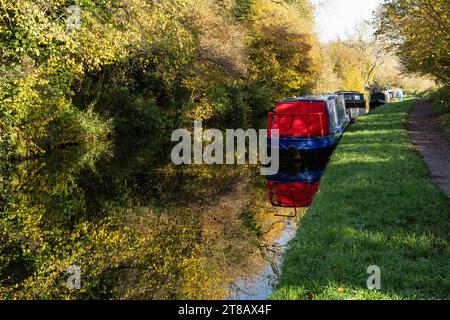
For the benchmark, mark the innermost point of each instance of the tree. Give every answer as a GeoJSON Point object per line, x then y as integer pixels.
{"type": "Point", "coordinates": [418, 31]}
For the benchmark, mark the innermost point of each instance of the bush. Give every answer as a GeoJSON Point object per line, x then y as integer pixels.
{"type": "Point", "coordinates": [441, 104]}
{"type": "Point", "coordinates": [76, 127]}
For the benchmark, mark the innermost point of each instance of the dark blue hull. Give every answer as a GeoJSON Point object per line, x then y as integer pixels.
{"type": "Point", "coordinates": [308, 144]}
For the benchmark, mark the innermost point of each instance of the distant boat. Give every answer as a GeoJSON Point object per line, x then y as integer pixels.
{"type": "Point", "coordinates": [379, 98]}
{"type": "Point", "coordinates": [355, 103]}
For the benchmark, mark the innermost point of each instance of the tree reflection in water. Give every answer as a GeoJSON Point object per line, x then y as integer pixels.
{"type": "Point", "coordinates": [290, 192]}
{"type": "Point", "coordinates": [138, 227]}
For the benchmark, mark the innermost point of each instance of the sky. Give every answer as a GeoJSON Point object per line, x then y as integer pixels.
{"type": "Point", "coordinates": [337, 18]}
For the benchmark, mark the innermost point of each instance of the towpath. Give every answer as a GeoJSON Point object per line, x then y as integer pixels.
{"type": "Point", "coordinates": [431, 141]}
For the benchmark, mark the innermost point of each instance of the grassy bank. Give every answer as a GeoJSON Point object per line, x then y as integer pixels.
{"type": "Point", "coordinates": [376, 206]}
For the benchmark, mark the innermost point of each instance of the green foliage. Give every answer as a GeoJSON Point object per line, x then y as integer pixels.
{"type": "Point", "coordinates": [279, 61]}
{"type": "Point", "coordinates": [40, 63]}
{"type": "Point", "coordinates": [77, 127]}
{"type": "Point", "coordinates": [283, 50]}
{"type": "Point", "coordinates": [347, 66]}
{"type": "Point", "coordinates": [441, 98]}
{"type": "Point", "coordinates": [243, 8]}
{"type": "Point", "coordinates": [28, 104]}
{"type": "Point", "coordinates": [441, 104]}
{"type": "Point", "coordinates": [419, 32]}
{"type": "Point", "coordinates": [149, 66]}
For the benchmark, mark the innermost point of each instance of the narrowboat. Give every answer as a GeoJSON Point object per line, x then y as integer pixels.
{"type": "Point", "coordinates": [309, 123]}
{"type": "Point", "coordinates": [378, 98]}
{"type": "Point", "coordinates": [400, 94]}
{"type": "Point", "coordinates": [395, 94]}
{"type": "Point", "coordinates": [355, 103]}
{"type": "Point", "coordinates": [392, 94]}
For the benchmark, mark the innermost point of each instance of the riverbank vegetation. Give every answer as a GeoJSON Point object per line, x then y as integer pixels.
{"type": "Point", "coordinates": [376, 206]}
{"type": "Point", "coordinates": [441, 105]}
{"type": "Point", "coordinates": [139, 68]}
{"type": "Point", "coordinates": [418, 33]}
{"type": "Point", "coordinates": [142, 68]}
{"type": "Point", "coordinates": [138, 229]}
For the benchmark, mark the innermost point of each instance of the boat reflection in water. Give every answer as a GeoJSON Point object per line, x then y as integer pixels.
{"type": "Point", "coordinates": [296, 183]}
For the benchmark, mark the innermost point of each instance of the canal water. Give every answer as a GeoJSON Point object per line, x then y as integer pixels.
{"type": "Point", "coordinates": [259, 286]}
{"type": "Point", "coordinates": [138, 227]}
{"type": "Point", "coordinates": [293, 189]}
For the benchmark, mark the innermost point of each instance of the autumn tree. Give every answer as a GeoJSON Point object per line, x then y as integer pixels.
{"type": "Point", "coordinates": [418, 31]}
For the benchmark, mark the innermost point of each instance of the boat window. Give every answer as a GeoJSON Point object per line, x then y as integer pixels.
{"type": "Point", "coordinates": [348, 96]}
{"type": "Point", "coordinates": [340, 108]}
{"type": "Point", "coordinates": [353, 97]}
{"type": "Point", "coordinates": [331, 104]}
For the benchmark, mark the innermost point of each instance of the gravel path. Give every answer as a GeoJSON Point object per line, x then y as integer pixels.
{"type": "Point", "coordinates": [431, 141]}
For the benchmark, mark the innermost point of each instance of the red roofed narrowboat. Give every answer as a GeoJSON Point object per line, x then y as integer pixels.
{"type": "Point", "coordinates": [310, 122]}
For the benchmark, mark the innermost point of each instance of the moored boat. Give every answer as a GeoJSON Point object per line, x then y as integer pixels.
{"type": "Point", "coordinates": [309, 122]}
{"type": "Point", "coordinates": [355, 103]}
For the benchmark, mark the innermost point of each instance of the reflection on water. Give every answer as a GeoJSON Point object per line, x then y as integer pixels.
{"type": "Point", "coordinates": [296, 183]}
{"type": "Point", "coordinates": [260, 285]}
{"type": "Point", "coordinates": [293, 187]}
{"type": "Point", "coordinates": [138, 227]}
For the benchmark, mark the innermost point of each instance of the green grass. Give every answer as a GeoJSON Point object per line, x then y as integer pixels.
{"type": "Point", "coordinates": [376, 206]}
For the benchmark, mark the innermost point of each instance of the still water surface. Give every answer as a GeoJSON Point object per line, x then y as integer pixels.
{"type": "Point", "coordinates": [138, 227]}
